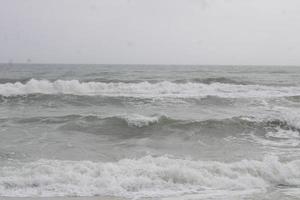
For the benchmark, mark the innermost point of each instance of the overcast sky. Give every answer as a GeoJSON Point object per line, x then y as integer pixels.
{"type": "Point", "coordinates": [226, 32]}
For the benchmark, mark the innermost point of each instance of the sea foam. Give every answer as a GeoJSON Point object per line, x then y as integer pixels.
{"type": "Point", "coordinates": [145, 177]}
{"type": "Point", "coordinates": [146, 89]}
{"type": "Point", "coordinates": [141, 120]}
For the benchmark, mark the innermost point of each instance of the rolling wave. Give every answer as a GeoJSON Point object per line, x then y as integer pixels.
{"type": "Point", "coordinates": [145, 177]}
{"type": "Point", "coordinates": [160, 121]}
{"type": "Point", "coordinates": [129, 120]}
{"type": "Point", "coordinates": [146, 89]}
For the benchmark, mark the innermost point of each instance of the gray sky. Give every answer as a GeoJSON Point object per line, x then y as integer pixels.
{"type": "Point", "coordinates": [151, 31]}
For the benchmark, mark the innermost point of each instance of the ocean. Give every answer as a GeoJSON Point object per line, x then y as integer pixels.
{"type": "Point", "coordinates": [149, 132]}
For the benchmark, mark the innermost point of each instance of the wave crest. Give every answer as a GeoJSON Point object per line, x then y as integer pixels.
{"type": "Point", "coordinates": [142, 120]}
{"type": "Point", "coordinates": [145, 89]}
{"type": "Point", "coordinates": [286, 122]}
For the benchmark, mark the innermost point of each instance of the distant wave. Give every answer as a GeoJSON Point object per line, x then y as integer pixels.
{"type": "Point", "coordinates": [145, 177]}
{"type": "Point", "coordinates": [214, 80]}
{"type": "Point", "coordinates": [146, 89]}
{"type": "Point", "coordinates": [11, 80]}
{"type": "Point", "coordinates": [191, 80]}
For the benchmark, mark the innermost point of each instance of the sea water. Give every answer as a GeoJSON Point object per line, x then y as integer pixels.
{"type": "Point", "coordinates": [158, 132]}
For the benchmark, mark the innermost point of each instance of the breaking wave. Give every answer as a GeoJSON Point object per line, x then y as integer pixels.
{"type": "Point", "coordinates": [146, 89]}
{"type": "Point", "coordinates": [145, 177]}
{"type": "Point", "coordinates": [142, 121]}
{"type": "Point", "coordinates": [131, 120]}
{"type": "Point", "coordinates": [85, 122]}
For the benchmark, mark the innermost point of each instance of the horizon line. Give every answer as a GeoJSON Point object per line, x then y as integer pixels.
{"type": "Point", "coordinates": [137, 64]}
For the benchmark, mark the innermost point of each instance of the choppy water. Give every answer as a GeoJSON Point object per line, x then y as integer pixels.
{"type": "Point", "coordinates": [187, 132]}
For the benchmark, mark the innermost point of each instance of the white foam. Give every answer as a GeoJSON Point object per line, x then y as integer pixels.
{"type": "Point", "coordinates": [283, 142]}
{"type": "Point", "coordinates": [146, 89]}
{"type": "Point", "coordinates": [283, 134]}
{"type": "Point", "coordinates": [145, 177]}
{"type": "Point", "coordinates": [286, 137]}
{"type": "Point", "coordinates": [290, 115]}
{"type": "Point", "coordinates": [140, 120]}
{"type": "Point", "coordinates": [133, 119]}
